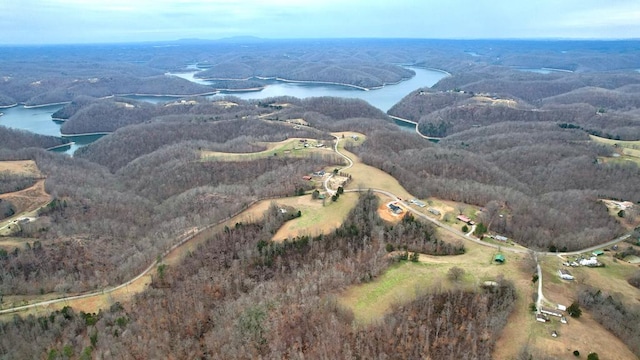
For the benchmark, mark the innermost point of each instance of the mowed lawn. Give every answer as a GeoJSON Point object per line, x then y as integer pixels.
{"type": "Point", "coordinates": [402, 282]}
{"type": "Point", "coordinates": [316, 218]}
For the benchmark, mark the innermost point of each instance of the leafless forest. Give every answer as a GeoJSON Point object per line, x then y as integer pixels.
{"type": "Point", "coordinates": [515, 143]}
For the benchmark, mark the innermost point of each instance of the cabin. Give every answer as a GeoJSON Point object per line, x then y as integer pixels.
{"type": "Point", "coordinates": [465, 219]}
{"type": "Point", "coordinates": [499, 258]}
{"type": "Point", "coordinates": [565, 275]}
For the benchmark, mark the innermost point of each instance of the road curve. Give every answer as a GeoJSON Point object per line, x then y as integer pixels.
{"type": "Point", "coordinates": [378, 191]}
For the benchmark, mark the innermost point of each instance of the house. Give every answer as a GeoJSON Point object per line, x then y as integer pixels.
{"type": "Point", "coordinates": [551, 312]}
{"type": "Point", "coordinates": [318, 173]}
{"type": "Point", "coordinates": [499, 258]}
{"type": "Point", "coordinates": [561, 307]}
{"type": "Point", "coordinates": [589, 262]}
{"type": "Point", "coordinates": [306, 177]}
{"type": "Point", "coordinates": [395, 209]}
{"type": "Point", "coordinates": [418, 203]}
{"type": "Point", "coordinates": [434, 211]}
{"type": "Point", "coordinates": [501, 238]}
{"type": "Point", "coordinates": [597, 253]}
{"type": "Point", "coordinates": [465, 219]}
{"type": "Point", "coordinates": [565, 275]}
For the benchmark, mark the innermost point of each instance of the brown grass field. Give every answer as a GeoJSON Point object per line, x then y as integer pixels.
{"type": "Point", "coordinates": [22, 167]}
{"type": "Point", "coordinates": [290, 147]}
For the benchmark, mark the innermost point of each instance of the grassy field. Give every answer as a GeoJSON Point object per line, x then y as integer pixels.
{"type": "Point", "coordinates": [290, 148]}
{"type": "Point", "coordinates": [404, 281]}
{"type": "Point", "coordinates": [628, 150]}
{"type": "Point", "coordinates": [316, 218]}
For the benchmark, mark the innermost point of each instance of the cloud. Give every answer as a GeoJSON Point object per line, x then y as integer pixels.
{"type": "Point", "coordinates": [51, 21]}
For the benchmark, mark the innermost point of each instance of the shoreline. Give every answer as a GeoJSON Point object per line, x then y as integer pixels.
{"type": "Point", "coordinates": [46, 105]}
{"type": "Point", "coordinates": [430, 138]}
{"type": "Point", "coordinates": [276, 78]}
{"type": "Point", "coordinates": [111, 96]}
{"type": "Point", "coordinates": [86, 134]}
{"type": "Point", "coordinates": [60, 146]}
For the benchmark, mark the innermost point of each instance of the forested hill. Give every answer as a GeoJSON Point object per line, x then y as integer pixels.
{"type": "Point", "coordinates": [604, 104]}
{"type": "Point", "coordinates": [53, 74]}
{"type": "Point", "coordinates": [15, 139]}
{"type": "Point", "coordinates": [546, 178]}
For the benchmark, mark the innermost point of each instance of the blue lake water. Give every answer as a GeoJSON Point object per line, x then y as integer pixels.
{"type": "Point", "coordinates": [38, 120]}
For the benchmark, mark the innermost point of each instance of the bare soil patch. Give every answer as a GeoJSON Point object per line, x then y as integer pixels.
{"type": "Point", "coordinates": [389, 216]}
{"type": "Point", "coordinates": [29, 199]}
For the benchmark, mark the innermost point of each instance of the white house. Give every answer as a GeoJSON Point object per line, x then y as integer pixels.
{"type": "Point", "coordinates": [565, 275]}
{"type": "Point", "coordinates": [589, 262]}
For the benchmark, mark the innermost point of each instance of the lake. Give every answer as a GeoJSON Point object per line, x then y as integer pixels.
{"type": "Point", "coordinates": [38, 120]}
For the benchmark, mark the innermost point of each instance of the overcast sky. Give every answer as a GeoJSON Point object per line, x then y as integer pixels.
{"type": "Point", "coordinates": [95, 21]}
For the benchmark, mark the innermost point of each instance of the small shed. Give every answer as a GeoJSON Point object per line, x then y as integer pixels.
{"type": "Point", "coordinates": [499, 258]}
{"type": "Point", "coordinates": [598, 253]}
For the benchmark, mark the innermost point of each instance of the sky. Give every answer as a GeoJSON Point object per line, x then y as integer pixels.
{"type": "Point", "coordinates": [100, 21]}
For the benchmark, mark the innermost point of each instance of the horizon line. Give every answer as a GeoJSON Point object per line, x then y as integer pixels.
{"type": "Point", "coordinates": [251, 38]}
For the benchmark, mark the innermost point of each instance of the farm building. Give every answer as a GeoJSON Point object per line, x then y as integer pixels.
{"type": "Point", "coordinates": [434, 211]}
{"type": "Point", "coordinates": [597, 253]}
{"type": "Point", "coordinates": [561, 307]}
{"type": "Point", "coordinates": [499, 258]}
{"type": "Point", "coordinates": [465, 219]}
{"type": "Point", "coordinates": [417, 202]}
{"type": "Point", "coordinates": [565, 275]}
{"type": "Point", "coordinates": [551, 312]}
{"type": "Point", "coordinates": [541, 317]}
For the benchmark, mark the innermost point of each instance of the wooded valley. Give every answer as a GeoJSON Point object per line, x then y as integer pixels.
{"type": "Point", "coordinates": [515, 144]}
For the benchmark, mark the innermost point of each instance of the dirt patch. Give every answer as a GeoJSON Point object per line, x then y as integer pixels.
{"type": "Point", "coordinates": [29, 199]}
{"type": "Point", "coordinates": [492, 101]}
{"type": "Point", "coordinates": [388, 215]}
{"type": "Point", "coordinates": [23, 167]}
{"type": "Point", "coordinates": [225, 104]}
